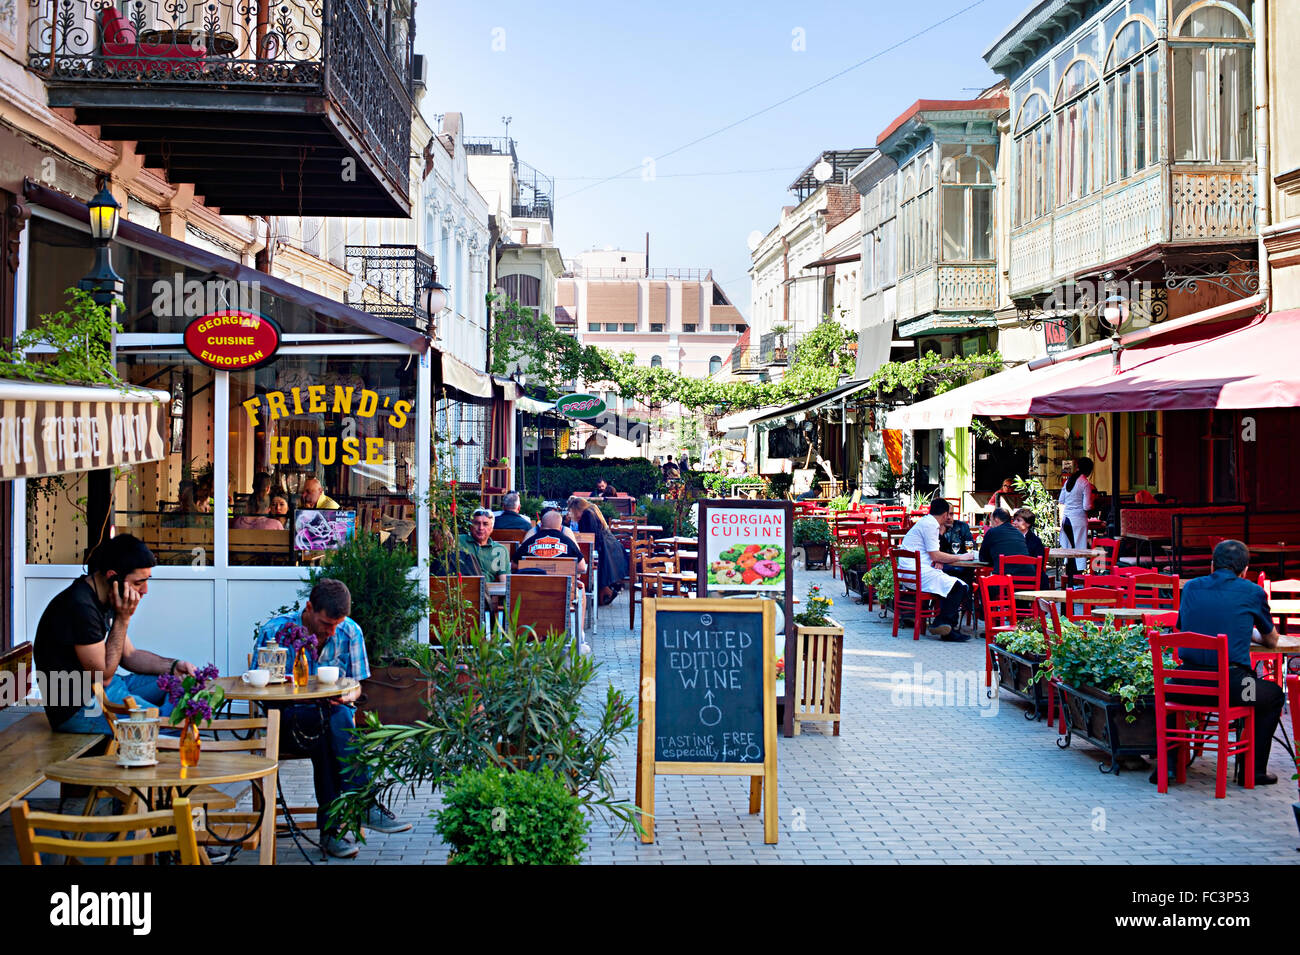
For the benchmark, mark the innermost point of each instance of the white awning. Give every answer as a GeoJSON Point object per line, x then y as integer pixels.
{"type": "Point", "coordinates": [456, 374]}
{"type": "Point", "coordinates": [741, 419]}
{"type": "Point", "coordinates": [533, 406]}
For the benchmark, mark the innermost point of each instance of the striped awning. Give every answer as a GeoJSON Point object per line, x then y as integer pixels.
{"type": "Point", "coordinates": [58, 429]}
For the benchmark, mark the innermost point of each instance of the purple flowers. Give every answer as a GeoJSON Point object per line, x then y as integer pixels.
{"type": "Point", "coordinates": [190, 695]}
{"type": "Point", "coordinates": [295, 636]}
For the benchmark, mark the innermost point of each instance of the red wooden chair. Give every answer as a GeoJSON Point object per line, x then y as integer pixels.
{"type": "Point", "coordinates": [1288, 589]}
{"type": "Point", "coordinates": [1168, 618]}
{"type": "Point", "coordinates": [844, 534]}
{"type": "Point", "coordinates": [999, 600]}
{"type": "Point", "coordinates": [1293, 694]}
{"type": "Point", "coordinates": [1107, 562]}
{"type": "Point", "coordinates": [876, 546]}
{"type": "Point", "coordinates": [1089, 599]}
{"type": "Point", "coordinates": [1117, 582]}
{"type": "Point", "coordinates": [1051, 620]}
{"type": "Point", "coordinates": [1027, 571]}
{"type": "Point", "coordinates": [1203, 694]}
{"type": "Point", "coordinates": [908, 595]}
{"type": "Point", "coordinates": [1149, 591]}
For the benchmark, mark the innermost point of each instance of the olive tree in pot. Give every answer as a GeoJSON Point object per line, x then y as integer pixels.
{"type": "Point", "coordinates": [388, 606]}
{"type": "Point", "coordinates": [814, 536]}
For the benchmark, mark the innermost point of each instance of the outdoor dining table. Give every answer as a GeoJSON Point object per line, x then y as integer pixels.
{"type": "Point", "coordinates": [1055, 596]}
{"type": "Point", "coordinates": [1133, 613]}
{"type": "Point", "coordinates": [170, 779]}
{"type": "Point", "coordinates": [1066, 553]}
{"type": "Point", "coordinates": [1282, 549]}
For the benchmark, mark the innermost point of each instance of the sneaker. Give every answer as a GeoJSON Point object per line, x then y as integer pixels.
{"type": "Point", "coordinates": [939, 630]}
{"type": "Point", "coordinates": [381, 819]}
{"type": "Point", "coordinates": [336, 847]}
{"type": "Point", "coordinates": [955, 636]}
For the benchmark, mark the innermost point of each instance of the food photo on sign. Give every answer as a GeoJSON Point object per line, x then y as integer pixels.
{"type": "Point", "coordinates": [745, 548]}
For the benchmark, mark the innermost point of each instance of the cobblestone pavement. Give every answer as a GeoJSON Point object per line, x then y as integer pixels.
{"type": "Point", "coordinates": [914, 777]}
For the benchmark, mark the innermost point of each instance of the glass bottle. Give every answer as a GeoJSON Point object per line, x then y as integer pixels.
{"type": "Point", "coordinates": [191, 745]}
{"type": "Point", "coordinates": [300, 670]}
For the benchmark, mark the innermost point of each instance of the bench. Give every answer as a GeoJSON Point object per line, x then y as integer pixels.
{"type": "Point", "coordinates": [29, 745]}
{"type": "Point", "coordinates": [1194, 537]}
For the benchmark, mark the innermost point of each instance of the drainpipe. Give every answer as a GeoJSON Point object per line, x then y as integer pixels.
{"type": "Point", "coordinates": [785, 282]}
{"type": "Point", "coordinates": [1264, 176]}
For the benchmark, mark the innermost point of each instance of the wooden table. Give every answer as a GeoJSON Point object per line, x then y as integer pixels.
{"type": "Point", "coordinates": [678, 540]}
{"type": "Point", "coordinates": [1281, 548]}
{"type": "Point", "coordinates": [1056, 596]}
{"type": "Point", "coordinates": [1135, 613]}
{"type": "Point", "coordinates": [172, 779]}
{"type": "Point", "coordinates": [286, 692]}
{"type": "Point", "coordinates": [1069, 553]}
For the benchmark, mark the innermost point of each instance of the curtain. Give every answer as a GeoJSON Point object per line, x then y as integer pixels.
{"type": "Point", "coordinates": [1236, 101]}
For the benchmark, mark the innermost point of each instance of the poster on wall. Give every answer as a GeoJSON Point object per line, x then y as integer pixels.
{"type": "Point", "coordinates": [322, 530]}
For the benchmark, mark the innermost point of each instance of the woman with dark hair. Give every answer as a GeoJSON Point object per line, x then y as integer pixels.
{"type": "Point", "coordinates": [612, 565]}
{"type": "Point", "coordinates": [1076, 501]}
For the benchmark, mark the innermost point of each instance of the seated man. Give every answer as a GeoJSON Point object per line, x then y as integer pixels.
{"type": "Point", "coordinates": [491, 557]}
{"type": "Point", "coordinates": [510, 518]}
{"type": "Point", "coordinates": [1002, 539]}
{"type": "Point", "coordinates": [552, 539]}
{"type": "Point", "coordinates": [957, 539]}
{"type": "Point", "coordinates": [82, 638]}
{"type": "Point", "coordinates": [1024, 521]}
{"type": "Point", "coordinates": [924, 538]}
{"type": "Point", "coordinates": [603, 489]}
{"type": "Point", "coordinates": [340, 643]}
{"type": "Point", "coordinates": [314, 496]}
{"type": "Point", "coordinates": [1226, 602]}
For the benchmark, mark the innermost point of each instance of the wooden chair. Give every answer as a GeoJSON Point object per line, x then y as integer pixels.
{"type": "Point", "coordinates": [452, 596]}
{"type": "Point", "coordinates": [503, 534]}
{"type": "Point", "coordinates": [225, 825]}
{"type": "Point", "coordinates": [999, 600]}
{"type": "Point", "coordinates": [908, 594]}
{"type": "Point", "coordinates": [1149, 591]}
{"type": "Point", "coordinates": [569, 567]}
{"type": "Point", "coordinates": [875, 544]}
{"type": "Point", "coordinates": [1107, 562]}
{"type": "Point", "coordinates": [178, 819]}
{"type": "Point", "coordinates": [1120, 583]}
{"type": "Point", "coordinates": [1027, 571]}
{"type": "Point", "coordinates": [639, 555]}
{"type": "Point", "coordinates": [1051, 621]}
{"type": "Point", "coordinates": [1090, 598]}
{"type": "Point", "coordinates": [1288, 589]}
{"type": "Point", "coordinates": [541, 602]}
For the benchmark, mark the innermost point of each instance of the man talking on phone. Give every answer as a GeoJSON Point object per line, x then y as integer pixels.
{"type": "Point", "coordinates": [82, 639]}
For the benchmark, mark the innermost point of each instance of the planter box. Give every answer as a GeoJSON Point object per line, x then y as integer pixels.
{"type": "Point", "coordinates": [819, 676]}
{"type": "Point", "coordinates": [1100, 718]}
{"type": "Point", "coordinates": [396, 695]}
{"type": "Point", "coordinates": [815, 555]}
{"type": "Point", "coordinates": [853, 581]}
{"type": "Point", "coordinates": [1015, 673]}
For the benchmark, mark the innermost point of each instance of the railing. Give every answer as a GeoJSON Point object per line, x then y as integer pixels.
{"type": "Point", "coordinates": [668, 275]}
{"type": "Point", "coordinates": [536, 210]}
{"type": "Point", "coordinates": [490, 146]}
{"type": "Point", "coordinates": [391, 277]}
{"type": "Point", "coordinates": [356, 52]}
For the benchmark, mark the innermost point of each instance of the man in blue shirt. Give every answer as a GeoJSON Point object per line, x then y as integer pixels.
{"type": "Point", "coordinates": [1225, 602]}
{"type": "Point", "coordinates": [340, 643]}
{"type": "Point", "coordinates": [1002, 539]}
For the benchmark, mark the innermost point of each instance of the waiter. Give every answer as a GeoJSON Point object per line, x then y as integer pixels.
{"type": "Point", "coordinates": [924, 538]}
{"type": "Point", "coordinates": [1076, 502]}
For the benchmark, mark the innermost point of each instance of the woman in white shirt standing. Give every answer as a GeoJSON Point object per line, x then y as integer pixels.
{"type": "Point", "coordinates": [1076, 501]}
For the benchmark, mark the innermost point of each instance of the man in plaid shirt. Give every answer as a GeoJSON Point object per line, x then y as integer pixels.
{"type": "Point", "coordinates": [340, 643]}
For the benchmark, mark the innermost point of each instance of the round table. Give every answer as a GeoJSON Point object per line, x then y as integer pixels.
{"type": "Point", "coordinates": [286, 692]}
{"type": "Point", "coordinates": [1136, 613]}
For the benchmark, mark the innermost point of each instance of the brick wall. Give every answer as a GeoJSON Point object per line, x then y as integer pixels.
{"type": "Point", "coordinates": [841, 202]}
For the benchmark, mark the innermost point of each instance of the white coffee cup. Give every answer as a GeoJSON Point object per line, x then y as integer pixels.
{"type": "Point", "coordinates": [327, 675]}
{"type": "Point", "coordinates": [257, 677]}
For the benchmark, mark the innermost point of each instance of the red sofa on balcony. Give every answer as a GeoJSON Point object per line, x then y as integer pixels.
{"type": "Point", "coordinates": [120, 45]}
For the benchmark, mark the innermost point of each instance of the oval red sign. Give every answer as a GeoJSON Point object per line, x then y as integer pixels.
{"type": "Point", "coordinates": [230, 341]}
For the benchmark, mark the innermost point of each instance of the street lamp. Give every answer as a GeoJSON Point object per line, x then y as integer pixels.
{"type": "Point", "coordinates": [104, 285]}
{"type": "Point", "coordinates": [435, 299]}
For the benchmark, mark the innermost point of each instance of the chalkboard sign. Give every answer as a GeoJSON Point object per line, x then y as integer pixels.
{"type": "Point", "coordinates": [708, 697]}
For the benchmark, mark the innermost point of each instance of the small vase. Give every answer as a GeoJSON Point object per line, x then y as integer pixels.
{"type": "Point", "coordinates": [191, 745]}
{"type": "Point", "coordinates": [300, 670]}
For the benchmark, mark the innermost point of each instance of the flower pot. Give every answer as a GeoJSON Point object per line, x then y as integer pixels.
{"type": "Point", "coordinates": [397, 695]}
{"type": "Point", "coordinates": [853, 581]}
{"type": "Point", "coordinates": [819, 675]}
{"type": "Point", "coordinates": [1100, 718]}
{"type": "Point", "coordinates": [815, 555]}
{"type": "Point", "coordinates": [1016, 674]}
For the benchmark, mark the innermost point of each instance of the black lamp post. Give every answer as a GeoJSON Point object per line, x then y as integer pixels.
{"type": "Point", "coordinates": [435, 300]}
{"type": "Point", "coordinates": [104, 285]}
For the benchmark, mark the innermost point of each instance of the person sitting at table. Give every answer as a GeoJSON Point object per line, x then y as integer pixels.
{"type": "Point", "coordinates": [611, 564]}
{"type": "Point", "coordinates": [957, 539]}
{"type": "Point", "coordinates": [446, 558]}
{"type": "Point", "coordinates": [82, 639]}
{"type": "Point", "coordinates": [1227, 602]}
{"type": "Point", "coordinates": [256, 518]}
{"type": "Point", "coordinates": [1024, 520]}
{"type": "Point", "coordinates": [279, 507]}
{"type": "Point", "coordinates": [510, 518]}
{"type": "Point", "coordinates": [603, 489]}
{"type": "Point", "coordinates": [314, 496]}
{"type": "Point", "coordinates": [923, 537]}
{"type": "Point", "coordinates": [260, 500]}
{"type": "Point", "coordinates": [340, 643]}
{"type": "Point", "coordinates": [490, 557]}
{"type": "Point", "coordinates": [552, 539]}
{"type": "Point", "coordinates": [1001, 539]}
{"type": "Point", "coordinates": [1001, 497]}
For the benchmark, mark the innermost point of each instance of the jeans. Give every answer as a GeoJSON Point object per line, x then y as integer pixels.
{"type": "Point", "coordinates": [140, 687]}
{"type": "Point", "coordinates": [303, 731]}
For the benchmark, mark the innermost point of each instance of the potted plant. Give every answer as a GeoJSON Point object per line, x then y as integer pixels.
{"type": "Point", "coordinates": [388, 606]}
{"type": "Point", "coordinates": [1018, 655]}
{"type": "Point", "coordinates": [495, 817]}
{"type": "Point", "coordinates": [818, 680]}
{"type": "Point", "coordinates": [779, 351]}
{"type": "Point", "coordinates": [853, 564]}
{"type": "Point", "coordinates": [814, 536]}
{"type": "Point", "coordinates": [879, 583]}
{"type": "Point", "coordinates": [1107, 688]}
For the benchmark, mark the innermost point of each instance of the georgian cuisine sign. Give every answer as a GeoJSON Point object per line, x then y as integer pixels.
{"type": "Point", "coordinates": [40, 437]}
{"type": "Point", "coordinates": [232, 340]}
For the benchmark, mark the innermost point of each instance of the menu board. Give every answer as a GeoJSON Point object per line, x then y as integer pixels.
{"type": "Point", "coordinates": [708, 700]}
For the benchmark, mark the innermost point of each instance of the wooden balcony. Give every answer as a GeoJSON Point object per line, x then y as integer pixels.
{"type": "Point", "coordinates": [959, 294]}
{"type": "Point", "coordinates": [298, 107]}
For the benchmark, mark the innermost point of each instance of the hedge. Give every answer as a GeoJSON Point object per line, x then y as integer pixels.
{"type": "Point", "coordinates": [635, 477]}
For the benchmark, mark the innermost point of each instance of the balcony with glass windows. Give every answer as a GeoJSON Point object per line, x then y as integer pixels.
{"type": "Point", "coordinates": [1121, 153]}
{"type": "Point", "coordinates": [298, 107]}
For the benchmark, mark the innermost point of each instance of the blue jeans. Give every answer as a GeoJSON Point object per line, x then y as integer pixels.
{"type": "Point", "coordinates": [328, 747]}
{"type": "Point", "coordinates": [143, 689]}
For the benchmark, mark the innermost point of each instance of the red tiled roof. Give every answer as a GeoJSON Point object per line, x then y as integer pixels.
{"type": "Point", "coordinates": [941, 105]}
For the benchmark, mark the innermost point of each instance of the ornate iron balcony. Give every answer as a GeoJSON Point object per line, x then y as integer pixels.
{"type": "Point", "coordinates": [387, 283]}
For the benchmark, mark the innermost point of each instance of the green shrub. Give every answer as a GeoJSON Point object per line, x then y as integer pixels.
{"type": "Point", "coordinates": [840, 503]}
{"type": "Point", "coordinates": [386, 600]}
{"type": "Point", "coordinates": [531, 506]}
{"type": "Point", "coordinates": [1114, 659]}
{"type": "Point", "coordinates": [881, 579]}
{"type": "Point", "coordinates": [723, 485]}
{"type": "Point", "coordinates": [779, 485]}
{"type": "Point", "coordinates": [562, 477]}
{"type": "Point", "coordinates": [493, 817]}
{"type": "Point", "coordinates": [811, 530]}
{"type": "Point", "coordinates": [664, 513]}
{"type": "Point", "coordinates": [852, 558]}
{"type": "Point", "coordinates": [1026, 639]}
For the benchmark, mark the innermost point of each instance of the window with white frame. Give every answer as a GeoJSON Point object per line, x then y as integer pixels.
{"type": "Point", "coordinates": [906, 214]}
{"type": "Point", "coordinates": [1079, 139]}
{"type": "Point", "coordinates": [917, 214]}
{"type": "Point", "coordinates": [1211, 46]}
{"type": "Point", "coordinates": [967, 187]}
{"type": "Point", "coordinates": [1032, 196]}
{"type": "Point", "coordinates": [1133, 100]}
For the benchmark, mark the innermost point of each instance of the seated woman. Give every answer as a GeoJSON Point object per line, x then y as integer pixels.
{"type": "Point", "coordinates": [612, 566]}
{"type": "Point", "coordinates": [256, 519]}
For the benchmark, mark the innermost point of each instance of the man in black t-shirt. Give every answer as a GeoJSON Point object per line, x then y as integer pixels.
{"type": "Point", "coordinates": [550, 539]}
{"type": "Point", "coordinates": [82, 639]}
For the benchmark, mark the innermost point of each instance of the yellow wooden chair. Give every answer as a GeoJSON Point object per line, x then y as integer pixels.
{"type": "Point", "coordinates": [180, 840]}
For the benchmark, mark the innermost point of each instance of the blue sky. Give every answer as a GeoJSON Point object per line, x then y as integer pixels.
{"type": "Point", "coordinates": [596, 89]}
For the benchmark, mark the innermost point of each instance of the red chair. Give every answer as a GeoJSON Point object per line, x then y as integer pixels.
{"type": "Point", "coordinates": [1293, 694]}
{"type": "Point", "coordinates": [876, 546]}
{"type": "Point", "coordinates": [1288, 589]}
{"type": "Point", "coordinates": [999, 599]}
{"type": "Point", "coordinates": [1148, 591]}
{"type": "Point", "coordinates": [119, 42]}
{"type": "Point", "coordinates": [908, 594]}
{"type": "Point", "coordinates": [1090, 598]}
{"type": "Point", "coordinates": [1028, 571]}
{"type": "Point", "coordinates": [1110, 560]}
{"type": "Point", "coordinates": [1051, 619]}
{"type": "Point", "coordinates": [1203, 694]}
{"type": "Point", "coordinates": [1166, 619]}
{"type": "Point", "coordinates": [1117, 582]}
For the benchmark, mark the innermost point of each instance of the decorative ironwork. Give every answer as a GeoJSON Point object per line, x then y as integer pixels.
{"type": "Point", "coordinates": [388, 283]}
{"type": "Point", "coordinates": [357, 53]}
{"type": "Point", "coordinates": [1188, 278]}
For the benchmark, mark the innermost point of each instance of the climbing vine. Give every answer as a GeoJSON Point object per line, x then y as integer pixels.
{"type": "Point", "coordinates": [81, 337]}
{"type": "Point", "coordinates": [933, 371]}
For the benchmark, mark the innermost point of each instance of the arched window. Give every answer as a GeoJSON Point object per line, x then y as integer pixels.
{"type": "Point", "coordinates": [925, 207]}
{"type": "Point", "coordinates": [715, 365]}
{"type": "Point", "coordinates": [656, 361]}
{"type": "Point", "coordinates": [1079, 141]}
{"type": "Point", "coordinates": [1133, 100]}
{"type": "Point", "coordinates": [1211, 43]}
{"type": "Point", "coordinates": [907, 222]}
{"type": "Point", "coordinates": [967, 206]}
{"type": "Point", "coordinates": [1033, 155]}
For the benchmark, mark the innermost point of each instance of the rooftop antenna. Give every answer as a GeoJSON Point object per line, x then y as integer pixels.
{"type": "Point", "coordinates": [507, 120]}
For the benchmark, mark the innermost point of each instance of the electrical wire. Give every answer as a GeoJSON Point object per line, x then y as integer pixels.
{"type": "Point", "coordinates": [793, 96]}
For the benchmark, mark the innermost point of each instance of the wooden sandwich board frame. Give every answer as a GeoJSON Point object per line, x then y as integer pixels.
{"type": "Point", "coordinates": [762, 775]}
